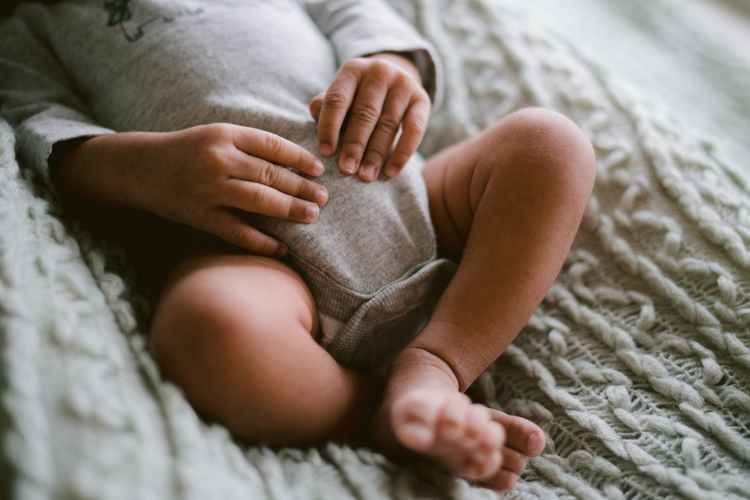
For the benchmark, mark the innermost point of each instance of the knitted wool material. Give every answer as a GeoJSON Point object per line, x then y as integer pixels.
{"type": "Point", "coordinates": [636, 365]}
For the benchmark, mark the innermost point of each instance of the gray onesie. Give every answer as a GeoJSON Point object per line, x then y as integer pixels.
{"type": "Point", "coordinates": [80, 68]}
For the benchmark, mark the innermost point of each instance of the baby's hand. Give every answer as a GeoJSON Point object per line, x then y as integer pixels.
{"type": "Point", "coordinates": [380, 93]}
{"type": "Point", "coordinates": [198, 175]}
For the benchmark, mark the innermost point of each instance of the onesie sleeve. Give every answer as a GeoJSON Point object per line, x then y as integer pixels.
{"type": "Point", "coordinates": [38, 97]}
{"type": "Point", "coordinates": [358, 28]}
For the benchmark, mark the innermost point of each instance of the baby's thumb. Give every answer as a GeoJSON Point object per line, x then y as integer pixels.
{"type": "Point", "coordinates": [316, 105]}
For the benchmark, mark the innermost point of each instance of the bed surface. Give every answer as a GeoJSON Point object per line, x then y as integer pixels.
{"type": "Point", "coordinates": [636, 365]}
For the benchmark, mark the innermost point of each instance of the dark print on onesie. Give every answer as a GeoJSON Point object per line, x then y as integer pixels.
{"type": "Point", "coordinates": [120, 14]}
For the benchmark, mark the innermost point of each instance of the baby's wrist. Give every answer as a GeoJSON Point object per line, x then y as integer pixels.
{"type": "Point", "coordinates": [96, 168]}
{"type": "Point", "coordinates": [61, 151]}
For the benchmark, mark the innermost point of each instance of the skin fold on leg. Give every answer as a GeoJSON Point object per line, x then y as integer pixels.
{"type": "Point", "coordinates": [237, 333]}
{"type": "Point", "coordinates": [508, 204]}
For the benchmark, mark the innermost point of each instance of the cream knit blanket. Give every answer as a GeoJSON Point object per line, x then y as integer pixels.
{"type": "Point", "coordinates": [637, 364]}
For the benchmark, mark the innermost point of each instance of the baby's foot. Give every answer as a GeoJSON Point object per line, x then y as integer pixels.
{"type": "Point", "coordinates": [445, 429]}
{"type": "Point", "coordinates": [422, 417]}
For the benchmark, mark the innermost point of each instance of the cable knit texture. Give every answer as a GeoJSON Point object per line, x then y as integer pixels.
{"type": "Point", "coordinates": [636, 365]}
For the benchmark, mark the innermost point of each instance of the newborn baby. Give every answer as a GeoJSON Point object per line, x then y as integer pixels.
{"type": "Point", "coordinates": [333, 283]}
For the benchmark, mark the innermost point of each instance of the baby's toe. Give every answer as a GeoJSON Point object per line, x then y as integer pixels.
{"type": "Point", "coordinates": [503, 480]}
{"type": "Point", "coordinates": [487, 456]}
{"type": "Point", "coordinates": [514, 461]}
{"type": "Point", "coordinates": [475, 469]}
{"type": "Point", "coordinates": [476, 422]}
{"type": "Point", "coordinates": [453, 420]}
{"type": "Point", "coordinates": [414, 420]}
{"type": "Point", "coordinates": [523, 435]}
{"type": "Point", "coordinates": [493, 438]}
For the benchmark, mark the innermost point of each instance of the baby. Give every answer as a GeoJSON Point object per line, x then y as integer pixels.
{"type": "Point", "coordinates": [318, 296]}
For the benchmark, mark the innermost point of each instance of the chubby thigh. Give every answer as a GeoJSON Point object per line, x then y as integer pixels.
{"type": "Point", "coordinates": [224, 279]}
{"type": "Point", "coordinates": [236, 332]}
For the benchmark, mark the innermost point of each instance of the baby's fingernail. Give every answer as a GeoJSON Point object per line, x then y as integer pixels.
{"type": "Point", "coordinates": [350, 165]}
{"type": "Point", "coordinates": [281, 251]}
{"type": "Point", "coordinates": [326, 150]}
{"type": "Point", "coordinates": [321, 196]}
{"type": "Point", "coordinates": [319, 168]}
{"type": "Point", "coordinates": [368, 171]}
{"type": "Point", "coordinates": [391, 171]}
{"type": "Point", "coordinates": [312, 212]}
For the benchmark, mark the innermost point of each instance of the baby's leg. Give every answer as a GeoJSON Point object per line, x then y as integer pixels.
{"type": "Point", "coordinates": [237, 333]}
{"type": "Point", "coordinates": [508, 203]}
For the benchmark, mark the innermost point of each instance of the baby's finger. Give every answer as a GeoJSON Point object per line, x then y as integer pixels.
{"type": "Point", "coordinates": [363, 117]}
{"type": "Point", "coordinates": [256, 170]}
{"type": "Point", "coordinates": [316, 105]}
{"type": "Point", "coordinates": [413, 129]}
{"type": "Point", "coordinates": [384, 134]}
{"type": "Point", "coordinates": [271, 147]}
{"type": "Point", "coordinates": [260, 199]}
{"type": "Point", "coordinates": [236, 231]}
{"type": "Point", "coordinates": [336, 103]}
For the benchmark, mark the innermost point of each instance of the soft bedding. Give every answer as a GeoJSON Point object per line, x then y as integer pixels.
{"type": "Point", "coordinates": [636, 365]}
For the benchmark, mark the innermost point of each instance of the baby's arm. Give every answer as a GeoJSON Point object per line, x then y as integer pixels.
{"type": "Point", "coordinates": [381, 94]}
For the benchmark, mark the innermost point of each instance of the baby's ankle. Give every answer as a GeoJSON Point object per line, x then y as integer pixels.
{"type": "Point", "coordinates": [415, 366]}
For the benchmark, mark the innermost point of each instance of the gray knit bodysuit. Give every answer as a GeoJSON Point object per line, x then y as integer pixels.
{"type": "Point", "coordinates": [81, 68]}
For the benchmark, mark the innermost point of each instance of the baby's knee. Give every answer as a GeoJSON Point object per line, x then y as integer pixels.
{"type": "Point", "coordinates": [550, 147]}
{"type": "Point", "coordinates": [190, 324]}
